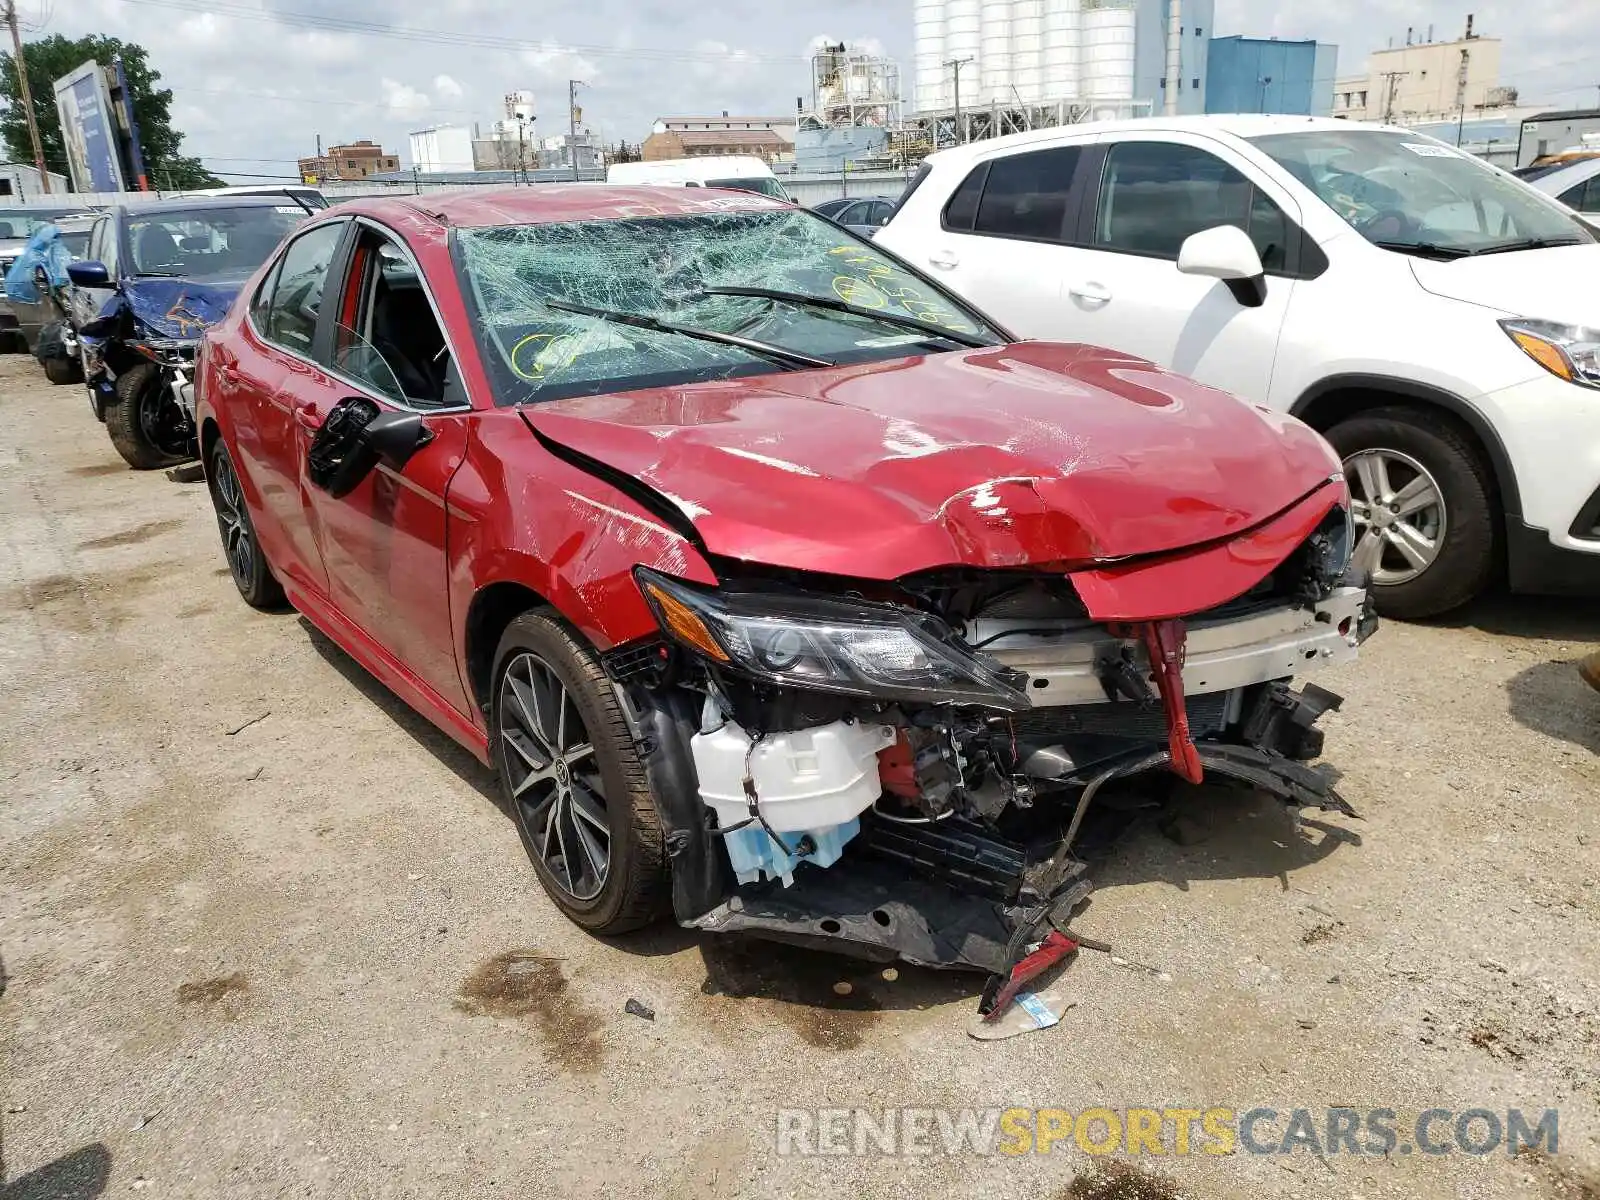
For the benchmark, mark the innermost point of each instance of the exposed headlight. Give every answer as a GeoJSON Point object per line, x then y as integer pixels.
{"type": "Point", "coordinates": [1570, 351]}
{"type": "Point", "coordinates": [858, 648]}
{"type": "Point", "coordinates": [169, 352]}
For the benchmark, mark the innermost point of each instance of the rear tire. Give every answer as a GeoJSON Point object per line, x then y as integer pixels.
{"type": "Point", "coordinates": [247, 563]}
{"type": "Point", "coordinates": [131, 420]}
{"type": "Point", "coordinates": [545, 660]}
{"type": "Point", "coordinates": [1468, 550]}
{"type": "Point", "coordinates": [63, 370]}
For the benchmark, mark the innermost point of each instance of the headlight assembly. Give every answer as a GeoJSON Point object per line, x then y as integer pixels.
{"type": "Point", "coordinates": [883, 651]}
{"type": "Point", "coordinates": [1570, 351]}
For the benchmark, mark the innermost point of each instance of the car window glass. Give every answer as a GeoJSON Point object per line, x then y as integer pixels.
{"type": "Point", "coordinates": [399, 350]}
{"type": "Point", "coordinates": [881, 211]}
{"type": "Point", "coordinates": [1154, 195]}
{"type": "Point", "coordinates": [1591, 197]}
{"type": "Point", "coordinates": [214, 243]}
{"type": "Point", "coordinates": [1026, 194]}
{"type": "Point", "coordinates": [261, 302]}
{"type": "Point", "coordinates": [109, 250]}
{"type": "Point", "coordinates": [302, 275]}
{"type": "Point", "coordinates": [850, 214]}
{"type": "Point", "coordinates": [962, 207]}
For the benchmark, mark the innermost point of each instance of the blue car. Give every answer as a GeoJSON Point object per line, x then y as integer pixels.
{"type": "Point", "coordinates": [154, 278]}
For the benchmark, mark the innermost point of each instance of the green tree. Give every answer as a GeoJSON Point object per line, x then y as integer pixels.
{"type": "Point", "coordinates": [50, 58]}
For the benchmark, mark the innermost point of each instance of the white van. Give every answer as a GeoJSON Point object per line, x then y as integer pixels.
{"type": "Point", "coordinates": [740, 171]}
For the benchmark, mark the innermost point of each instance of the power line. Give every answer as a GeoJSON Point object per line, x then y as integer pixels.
{"type": "Point", "coordinates": [449, 37]}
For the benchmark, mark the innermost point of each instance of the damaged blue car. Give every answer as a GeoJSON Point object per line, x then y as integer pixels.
{"type": "Point", "coordinates": [155, 278]}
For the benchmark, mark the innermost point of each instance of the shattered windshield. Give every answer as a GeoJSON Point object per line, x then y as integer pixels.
{"type": "Point", "coordinates": [524, 281]}
{"type": "Point", "coordinates": [209, 243]}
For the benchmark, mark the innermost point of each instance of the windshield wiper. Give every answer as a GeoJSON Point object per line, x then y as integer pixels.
{"type": "Point", "coordinates": [1533, 243]}
{"type": "Point", "coordinates": [828, 302]}
{"type": "Point", "coordinates": [1426, 249]}
{"type": "Point", "coordinates": [789, 359]}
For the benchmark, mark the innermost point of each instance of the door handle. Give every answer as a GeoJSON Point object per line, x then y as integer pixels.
{"type": "Point", "coordinates": [943, 259]}
{"type": "Point", "coordinates": [306, 416]}
{"type": "Point", "coordinates": [1091, 292]}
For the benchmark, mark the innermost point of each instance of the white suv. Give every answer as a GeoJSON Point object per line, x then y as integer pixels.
{"type": "Point", "coordinates": [1436, 319]}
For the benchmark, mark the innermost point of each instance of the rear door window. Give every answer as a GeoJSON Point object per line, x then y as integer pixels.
{"type": "Point", "coordinates": [297, 298]}
{"type": "Point", "coordinates": [962, 206]}
{"type": "Point", "coordinates": [1026, 195]}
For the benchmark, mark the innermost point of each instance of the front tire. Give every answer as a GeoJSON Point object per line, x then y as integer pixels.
{"type": "Point", "coordinates": [571, 776]}
{"type": "Point", "coordinates": [63, 370]}
{"type": "Point", "coordinates": [1425, 518]}
{"type": "Point", "coordinates": [142, 423]}
{"type": "Point", "coordinates": [246, 562]}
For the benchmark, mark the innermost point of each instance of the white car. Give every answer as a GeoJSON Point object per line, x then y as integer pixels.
{"type": "Point", "coordinates": [1436, 319]}
{"type": "Point", "coordinates": [1576, 184]}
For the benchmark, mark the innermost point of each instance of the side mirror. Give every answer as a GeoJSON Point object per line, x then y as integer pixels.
{"type": "Point", "coordinates": [89, 274]}
{"type": "Point", "coordinates": [1226, 253]}
{"type": "Point", "coordinates": [395, 436]}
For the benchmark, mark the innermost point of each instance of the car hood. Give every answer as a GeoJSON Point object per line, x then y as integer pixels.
{"type": "Point", "coordinates": [1555, 284]}
{"type": "Point", "coordinates": [179, 308]}
{"type": "Point", "coordinates": [1027, 454]}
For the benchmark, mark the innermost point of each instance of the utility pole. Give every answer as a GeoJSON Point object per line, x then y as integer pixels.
{"type": "Point", "coordinates": [1391, 82]}
{"type": "Point", "coordinates": [956, 64]}
{"type": "Point", "coordinates": [572, 122]}
{"type": "Point", "coordinates": [1461, 92]}
{"type": "Point", "coordinates": [27, 96]}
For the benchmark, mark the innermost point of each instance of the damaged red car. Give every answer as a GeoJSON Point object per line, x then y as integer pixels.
{"type": "Point", "coordinates": [784, 591]}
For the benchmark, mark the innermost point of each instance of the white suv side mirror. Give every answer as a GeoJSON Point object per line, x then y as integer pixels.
{"type": "Point", "coordinates": [1226, 253]}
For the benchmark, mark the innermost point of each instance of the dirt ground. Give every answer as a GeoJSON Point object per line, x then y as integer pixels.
{"type": "Point", "coordinates": [266, 933]}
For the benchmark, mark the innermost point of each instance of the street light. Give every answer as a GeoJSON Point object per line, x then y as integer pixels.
{"type": "Point", "coordinates": [1263, 81]}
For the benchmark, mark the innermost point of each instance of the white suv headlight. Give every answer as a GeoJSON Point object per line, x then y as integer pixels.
{"type": "Point", "coordinates": [1570, 351]}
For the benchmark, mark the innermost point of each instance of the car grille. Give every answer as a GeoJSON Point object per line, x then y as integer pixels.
{"type": "Point", "coordinates": [1207, 714]}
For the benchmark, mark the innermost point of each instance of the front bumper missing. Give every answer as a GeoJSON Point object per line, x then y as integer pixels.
{"type": "Point", "coordinates": [1222, 653]}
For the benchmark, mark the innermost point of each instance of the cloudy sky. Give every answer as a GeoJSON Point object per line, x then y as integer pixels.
{"type": "Point", "coordinates": [255, 82]}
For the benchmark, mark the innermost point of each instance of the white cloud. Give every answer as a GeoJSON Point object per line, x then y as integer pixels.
{"type": "Point", "coordinates": [448, 88]}
{"type": "Point", "coordinates": [555, 61]}
{"type": "Point", "coordinates": [402, 98]}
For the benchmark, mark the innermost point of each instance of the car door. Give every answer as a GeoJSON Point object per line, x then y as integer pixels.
{"type": "Point", "coordinates": [1004, 230]}
{"type": "Point", "coordinates": [1120, 278]}
{"type": "Point", "coordinates": [383, 542]}
{"type": "Point", "coordinates": [282, 380]}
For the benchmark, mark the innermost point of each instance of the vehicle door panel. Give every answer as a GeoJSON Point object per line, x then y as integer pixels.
{"type": "Point", "coordinates": [277, 370]}
{"type": "Point", "coordinates": [1122, 287]}
{"type": "Point", "coordinates": [383, 542]}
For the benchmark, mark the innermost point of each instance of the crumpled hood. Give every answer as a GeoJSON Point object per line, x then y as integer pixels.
{"type": "Point", "coordinates": [1554, 285]}
{"type": "Point", "coordinates": [179, 308]}
{"type": "Point", "coordinates": [1033, 453]}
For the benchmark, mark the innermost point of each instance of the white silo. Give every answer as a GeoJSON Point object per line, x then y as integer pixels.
{"type": "Point", "coordinates": [994, 52]}
{"type": "Point", "coordinates": [1060, 64]}
{"type": "Point", "coordinates": [928, 54]}
{"type": "Point", "coordinates": [1108, 52]}
{"type": "Point", "coordinates": [962, 41]}
{"type": "Point", "coordinates": [1027, 49]}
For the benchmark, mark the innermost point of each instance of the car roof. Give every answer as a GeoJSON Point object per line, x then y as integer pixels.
{"type": "Point", "coordinates": [1557, 181]}
{"type": "Point", "coordinates": [1239, 125]}
{"type": "Point", "coordinates": [554, 203]}
{"type": "Point", "coordinates": [207, 203]}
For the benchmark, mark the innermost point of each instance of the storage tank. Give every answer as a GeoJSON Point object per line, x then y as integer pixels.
{"type": "Point", "coordinates": [994, 52]}
{"type": "Point", "coordinates": [1060, 63]}
{"type": "Point", "coordinates": [961, 40]}
{"type": "Point", "coordinates": [1108, 44]}
{"type": "Point", "coordinates": [1027, 49]}
{"type": "Point", "coordinates": [928, 53]}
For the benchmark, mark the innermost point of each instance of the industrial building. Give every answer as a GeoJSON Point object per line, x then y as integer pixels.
{"type": "Point", "coordinates": [1553, 132]}
{"type": "Point", "coordinates": [1268, 75]}
{"type": "Point", "coordinates": [18, 180]}
{"type": "Point", "coordinates": [442, 148]}
{"type": "Point", "coordinates": [1424, 81]}
{"type": "Point", "coordinates": [353, 160]}
{"type": "Point", "coordinates": [1154, 31]}
{"type": "Point", "coordinates": [768, 138]}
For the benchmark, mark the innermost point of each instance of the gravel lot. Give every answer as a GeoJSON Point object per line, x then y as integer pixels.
{"type": "Point", "coordinates": [253, 914]}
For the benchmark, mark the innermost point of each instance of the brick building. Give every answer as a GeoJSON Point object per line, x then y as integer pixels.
{"type": "Point", "coordinates": [767, 138]}
{"type": "Point", "coordinates": [356, 160]}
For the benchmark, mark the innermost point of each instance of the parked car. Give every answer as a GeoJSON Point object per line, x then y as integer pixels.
{"type": "Point", "coordinates": [1575, 184]}
{"type": "Point", "coordinates": [303, 194]}
{"type": "Point", "coordinates": [674, 507]}
{"type": "Point", "coordinates": [860, 214]}
{"type": "Point", "coordinates": [17, 225]}
{"type": "Point", "coordinates": [1434, 318]}
{"type": "Point", "coordinates": [39, 293]}
{"type": "Point", "coordinates": [741, 172]}
{"type": "Point", "coordinates": [156, 276]}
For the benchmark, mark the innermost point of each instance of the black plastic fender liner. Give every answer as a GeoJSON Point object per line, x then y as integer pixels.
{"type": "Point", "coordinates": [662, 722]}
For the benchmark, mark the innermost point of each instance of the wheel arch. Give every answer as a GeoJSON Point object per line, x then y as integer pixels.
{"type": "Point", "coordinates": [494, 606]}
{"type": "Point", "coordinates": [1331, 400]}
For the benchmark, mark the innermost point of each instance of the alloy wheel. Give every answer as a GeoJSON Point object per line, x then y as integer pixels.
{"type": "Point", "coordinates": [237, 541]}
{"type": "Point", "coordinates": [1399, 514]}
{"type": "Point", "coordinates": [549, 763]}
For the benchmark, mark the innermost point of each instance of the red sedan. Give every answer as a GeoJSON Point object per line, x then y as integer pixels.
{"type": "Point", "coordinates": [783, 591]}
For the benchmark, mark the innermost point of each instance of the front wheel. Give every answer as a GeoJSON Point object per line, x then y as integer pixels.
{"type": "Point", "coordinates": [63, 370]}
{"type": "Point", "coordinates": [146, 425]}
{"type": "Point", "coordinates": [246, 563]}
{"type": "Point", "coordinates": [571, 776]}
{"type": "Point", "coordinates": [1421, 498]}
